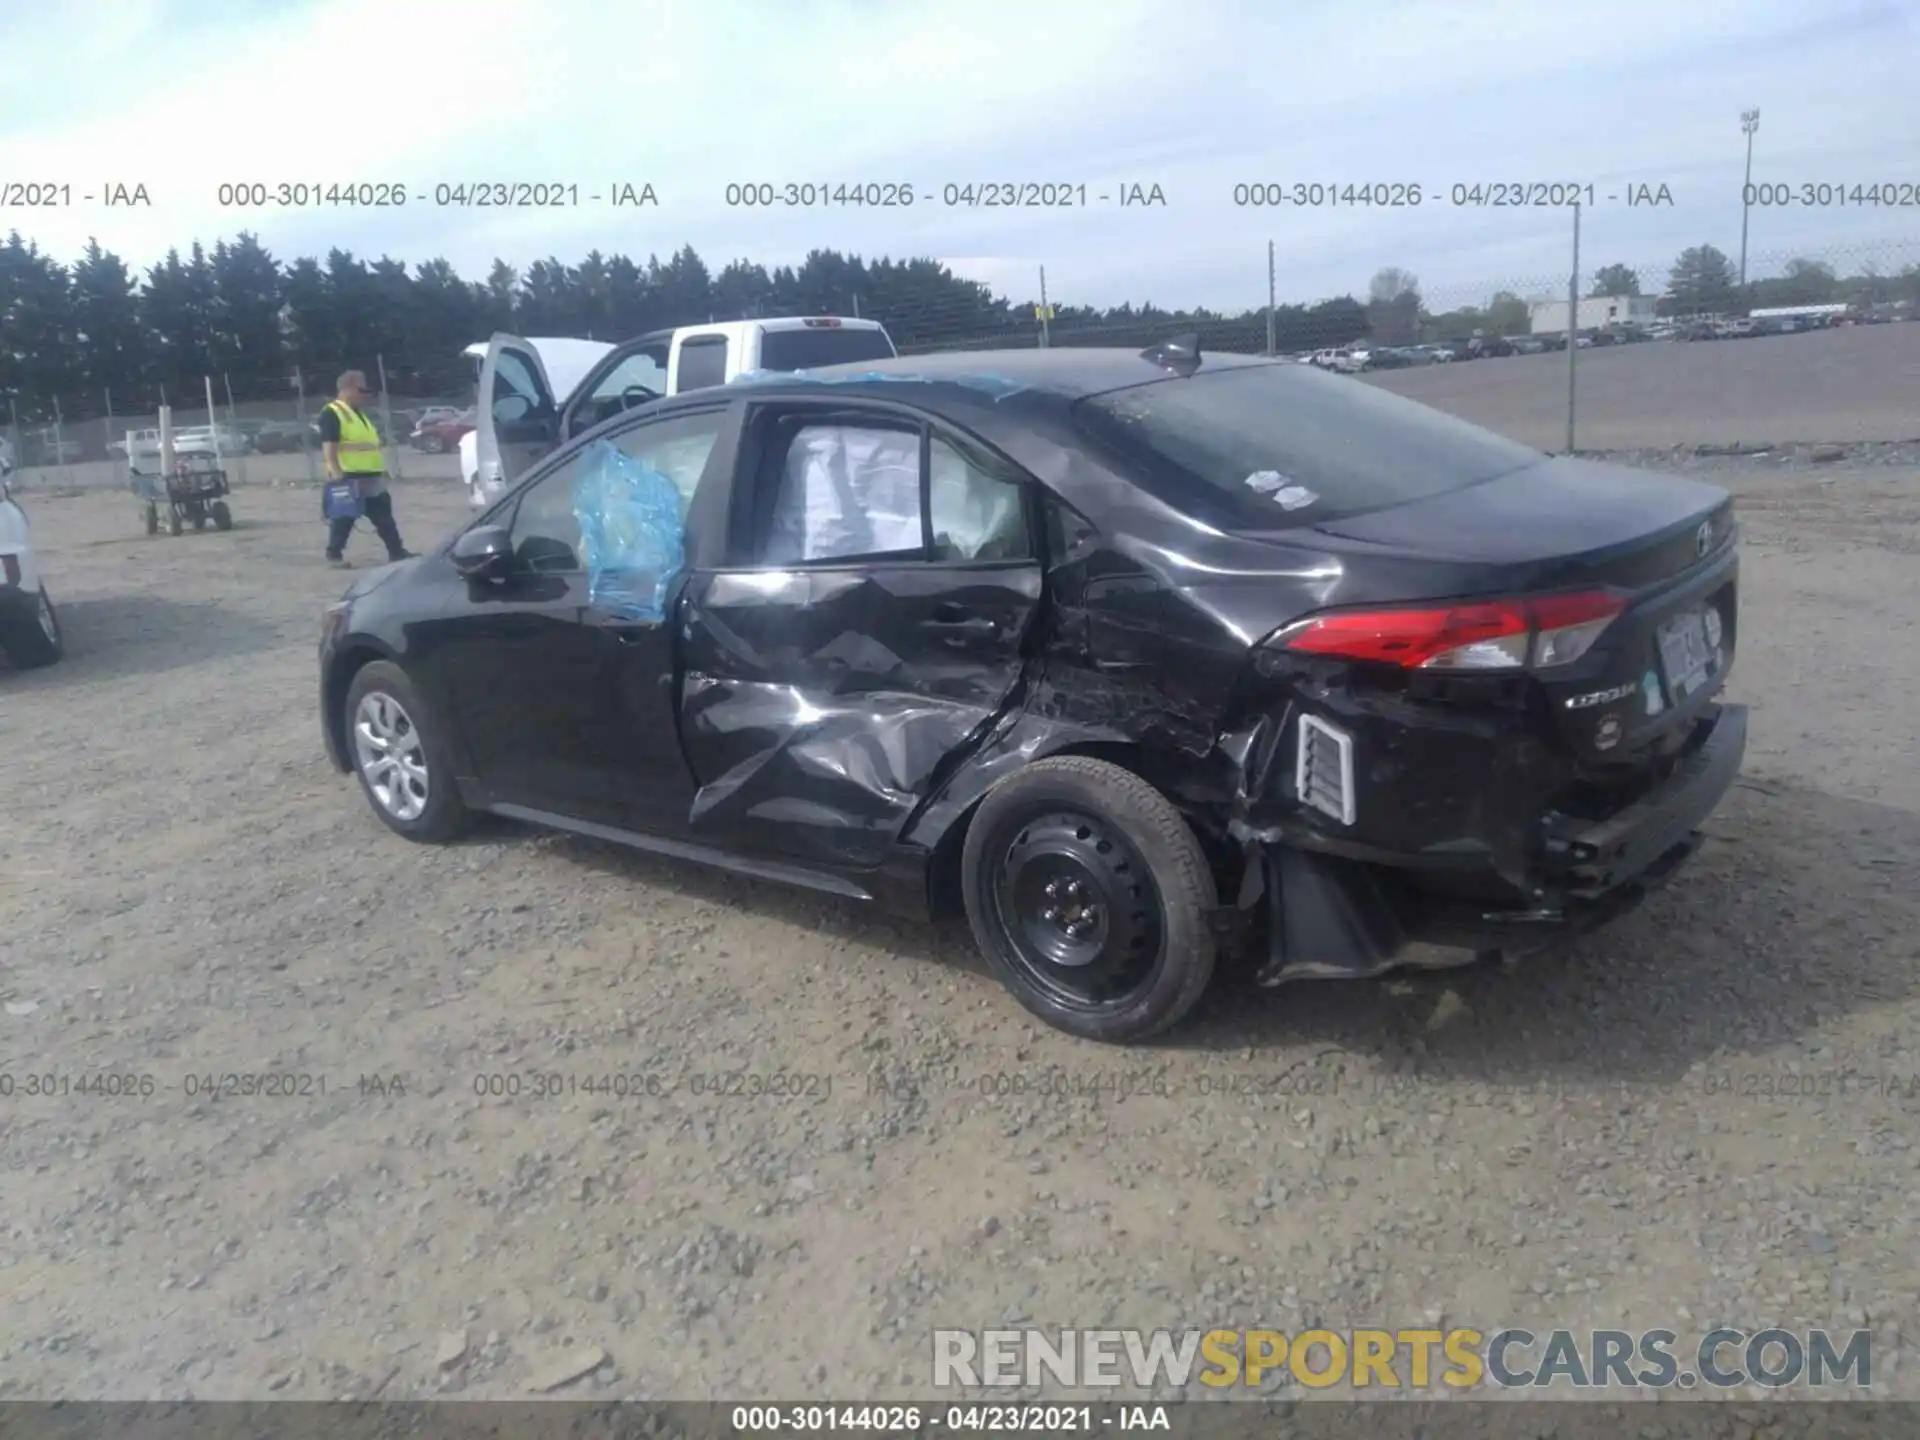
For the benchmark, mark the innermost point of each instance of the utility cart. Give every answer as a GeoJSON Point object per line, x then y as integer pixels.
{"type": "Point", "coordinates": [192, 495]}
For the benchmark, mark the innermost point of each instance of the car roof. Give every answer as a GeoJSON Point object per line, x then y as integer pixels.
{"type": "Point", "coordinates": [1069, 373]}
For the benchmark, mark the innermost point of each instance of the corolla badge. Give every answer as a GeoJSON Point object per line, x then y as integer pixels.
{"type": "Point", "coordinates": [1600, 697]}
{"type": "Point", "coordinates": [1703, 538]}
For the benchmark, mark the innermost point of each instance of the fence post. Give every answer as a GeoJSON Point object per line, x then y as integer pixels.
{"type": "Point", "coordinates": [1046, 312]}
{"type": "Point", "coordinates": [1272, 296]}
{"type": "Point", "coordinates": [60, 444]}
{"type": "Point", "coordinates": [18, 455]}
{"type": "Point", "coordinates": [107, 391]}
{"type": "Point", "coordinates": [166, 442]}
{"type": "Point", "coordinates": [233, 422]}
{"type": "Point", "coordinates": [386, 417]}
{"type": "Point", "coordinates": [213, 425]}
{"type": "Point", "coordinates": [1573, 323]}
{"type": "Point", "coordinates": [300, 423]}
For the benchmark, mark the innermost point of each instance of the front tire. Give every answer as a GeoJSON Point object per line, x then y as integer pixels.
{"type": "Point", "coordinates": [400, 755]}
{"type": "Point", "coordinates": [222, 517]}
{"type": "Point", "coordinates": [34, 639]}
{"type": "Point", "coordinates": [1089, 896]}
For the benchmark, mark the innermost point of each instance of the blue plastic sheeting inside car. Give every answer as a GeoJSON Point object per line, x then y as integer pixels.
{"type": "Point", "coordinates": [999, 387]}
{"type": "Point", "coordinates": [633, 531]}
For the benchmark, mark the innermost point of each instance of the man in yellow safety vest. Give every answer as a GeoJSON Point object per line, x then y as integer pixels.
{"type": "Point", "coordinates": [350, 447]}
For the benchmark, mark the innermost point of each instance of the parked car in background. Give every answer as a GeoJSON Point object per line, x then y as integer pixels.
{"type": "Point", "coordinates": [29, 627]}
{"type": "Point", "coordinates": [1528, 344]}
{"type": "Point", "coordinates": [279, 437]}
{"type": "Point", "coordinates": [442, 436]}
{"type": "Point", "coordinates": [223, 439]}
{"type": "Point", "coordinates": [1175, 649]}
{"type": "Point", "coordinates": [1390, 357]}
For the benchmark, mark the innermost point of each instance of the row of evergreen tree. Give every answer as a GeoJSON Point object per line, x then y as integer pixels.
{"type": "Point", "coordinates": [93, 334]}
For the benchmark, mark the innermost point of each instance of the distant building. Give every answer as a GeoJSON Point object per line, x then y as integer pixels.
{"type": "Point", "coordinates": [1597, 312]}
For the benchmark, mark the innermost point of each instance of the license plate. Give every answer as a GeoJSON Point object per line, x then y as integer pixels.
{"type": "Point", "coordinates": [1685, 655]}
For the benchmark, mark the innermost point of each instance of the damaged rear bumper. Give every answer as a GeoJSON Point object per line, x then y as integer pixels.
{"type": "Point", "coordinates": [1334, 916]}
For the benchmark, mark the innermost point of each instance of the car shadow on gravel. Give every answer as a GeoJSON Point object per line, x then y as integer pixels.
{"type": "Point", "coordinates": [1790, 918]}
{"type": "Point", "coordinates": [1787, 920]}
{"type": "Point", "coordinates": [122, 635]}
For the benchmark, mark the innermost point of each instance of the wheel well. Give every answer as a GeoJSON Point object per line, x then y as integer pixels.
{"type": "Point", "coordinates": [346, 664]}
{"type": "Point", "coordinates": [944, 895]}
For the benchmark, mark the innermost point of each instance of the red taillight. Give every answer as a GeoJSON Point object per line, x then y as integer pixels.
{"type": "Point", "coordinates": [1474, 635]}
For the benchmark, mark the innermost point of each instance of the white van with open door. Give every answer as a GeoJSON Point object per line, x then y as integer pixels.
{"type": "Point", "coordinates": [527, 406]}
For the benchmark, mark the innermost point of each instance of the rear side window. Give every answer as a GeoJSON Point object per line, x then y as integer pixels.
{"type": "Point", "coordinates": [1265, 447]}
{"type": "Point", "coordinates": [808, 349]}
{"type": "Point", "coordinates": [703, 363]}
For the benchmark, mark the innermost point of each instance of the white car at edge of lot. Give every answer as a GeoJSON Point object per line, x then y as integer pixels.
{"type": "Point", "coordinates": [29, 628]}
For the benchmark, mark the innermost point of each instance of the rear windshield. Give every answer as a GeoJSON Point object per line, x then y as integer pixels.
{"type": "Point", "coordinates": [1264, 447]}
{"type": "Point", "coordinates": [810, 349]}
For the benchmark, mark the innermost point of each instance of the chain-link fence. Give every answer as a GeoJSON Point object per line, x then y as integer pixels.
{"type": "Point", "coordinates": [258, 434]}
{"type": "Point", "coordinates": [1632, 378]}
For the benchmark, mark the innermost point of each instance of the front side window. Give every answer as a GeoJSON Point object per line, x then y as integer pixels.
{"type": "Point", "coordinates": [547, 531]}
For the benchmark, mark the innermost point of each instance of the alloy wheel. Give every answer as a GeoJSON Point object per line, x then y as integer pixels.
{"type": "Point", "coordinates": [391, 756]}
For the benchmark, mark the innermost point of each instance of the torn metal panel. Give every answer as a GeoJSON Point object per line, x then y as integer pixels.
{"type": "Point", "coordinates": [632, 529]}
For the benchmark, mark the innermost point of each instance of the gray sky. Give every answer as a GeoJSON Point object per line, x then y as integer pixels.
{"type": "Point", "coordinates": [184, 95]}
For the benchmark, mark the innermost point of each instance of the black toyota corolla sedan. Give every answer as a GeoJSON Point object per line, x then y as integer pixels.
{"type": "Point", "coordinates": [1135, 658]}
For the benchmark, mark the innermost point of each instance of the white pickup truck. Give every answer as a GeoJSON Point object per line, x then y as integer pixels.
{"type": "Point", "coordinates": [537, 394]}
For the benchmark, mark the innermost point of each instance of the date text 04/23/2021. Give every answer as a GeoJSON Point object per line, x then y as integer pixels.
{"type": "Point", "coordinates": [445, 194]}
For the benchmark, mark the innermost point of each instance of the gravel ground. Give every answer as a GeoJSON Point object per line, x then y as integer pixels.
{"type": "Point", "coordinates": [1704, 1114]}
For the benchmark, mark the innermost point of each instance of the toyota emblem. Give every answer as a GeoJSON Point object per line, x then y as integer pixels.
{"type": "Point", "coordinates": [1703, 537]}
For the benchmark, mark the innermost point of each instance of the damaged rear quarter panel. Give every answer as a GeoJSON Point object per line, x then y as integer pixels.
{"type": "Point", "coordinates": [1448, 773]}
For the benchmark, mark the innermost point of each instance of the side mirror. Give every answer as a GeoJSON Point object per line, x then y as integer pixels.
{"type": "Point", "coordinates": [484, 553]}
{"type": "Point", "coordinates": [512, 409]}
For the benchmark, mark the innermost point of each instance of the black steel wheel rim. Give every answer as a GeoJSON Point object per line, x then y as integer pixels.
{"type": "Point", "coordinates": [1078, 909]}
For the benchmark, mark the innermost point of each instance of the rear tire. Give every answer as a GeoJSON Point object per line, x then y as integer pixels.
{"type": "Point", "coordinates": [1089, 896]}
{"type": "Point", "coordinates": [173, 522]}
{"type": "Point", "coordinates": [151, 515]}
{"type": "Point", "coordinates": [34, 639]}
{"type": "Point", "coordinates": [222, 517]}
{"type": "Point", "coordinates": [399, 753]}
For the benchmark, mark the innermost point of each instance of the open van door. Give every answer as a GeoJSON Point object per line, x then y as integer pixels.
{"type": "Point", "coordinates": [516, 419]}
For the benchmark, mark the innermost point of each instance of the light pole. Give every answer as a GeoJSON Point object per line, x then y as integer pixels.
{"type": "Point", "coordinates": [1749, 122]}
